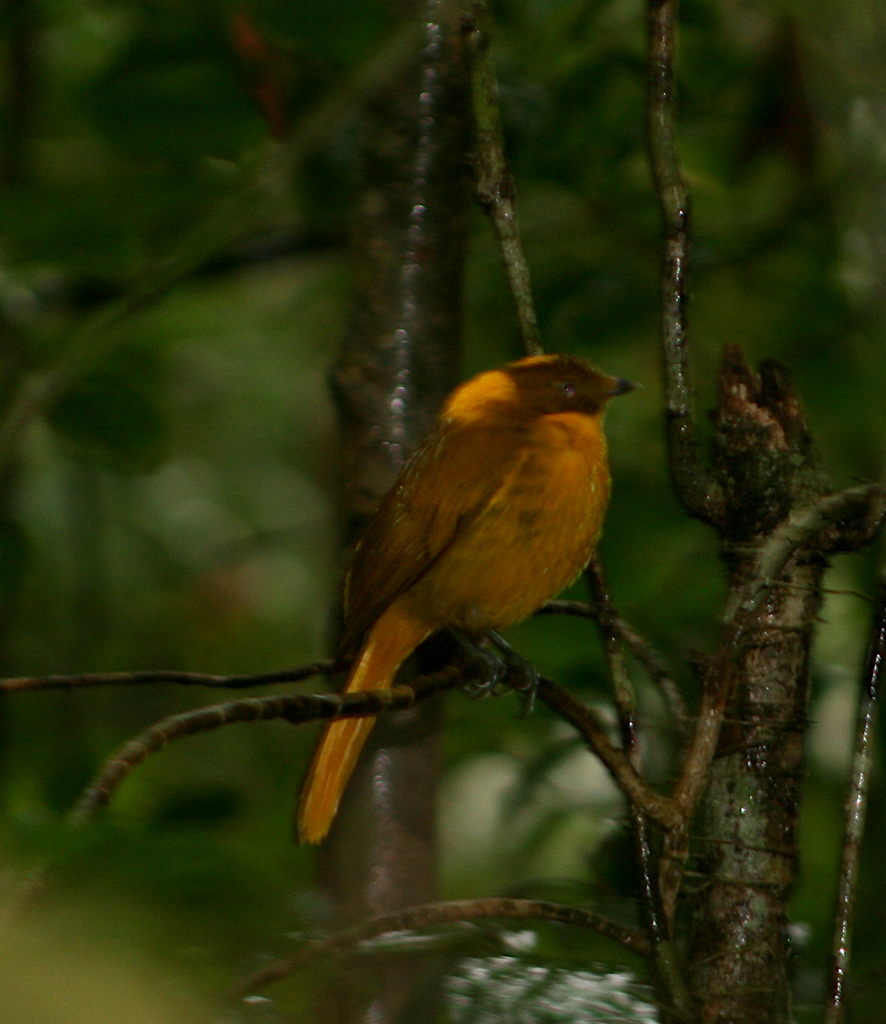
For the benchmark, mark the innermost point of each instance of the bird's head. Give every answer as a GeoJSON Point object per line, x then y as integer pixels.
{"type": "Point", "coordinates": [559, 383]}
{"type": "Point", "coordinates": [535, 386]}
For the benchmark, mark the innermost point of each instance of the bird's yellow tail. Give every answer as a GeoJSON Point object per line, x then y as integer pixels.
{"type": "Point", "coordinates": [389, 643]}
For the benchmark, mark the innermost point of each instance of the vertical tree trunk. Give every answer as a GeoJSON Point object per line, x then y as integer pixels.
{"type": "Point", "coordinates": [400, 358]}
{"type": "Point", "coordinates": [746, 853]}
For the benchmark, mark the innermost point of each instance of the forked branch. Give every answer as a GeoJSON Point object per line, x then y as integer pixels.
{"type": "Point", "coordinates": [294, 708]}
{"type": "Point", "coordinates": [799, 530]}
{"type": "Point", "coordinates": [301, 708]}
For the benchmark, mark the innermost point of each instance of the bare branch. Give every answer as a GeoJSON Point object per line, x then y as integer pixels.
{"type": "Point", "coordinates": [659, 808]}
{"type": "Point", "coordinates": [623, 688]}
{"type": "Point", "coordinates": [496, 191]}
{"type": "Point", "coordinates": [648, 657]}
{"type": "Point", "coordinates": [294, 708]}
{"type": "Point", "coordinates": [299, 708]}
{"type": "Point", "coordinates": [431, 914]}
{"type": "Point", "coordinates": [856, 807]}
{"type": "Point", "coordinates": [796, 531]}
{"type": "Point", "coordinates": [56, 682]}
{"type": "Point", "coordinates": [694, 484]}
{"type": "Point", "coordinates": [583, 609]}
{"type": "Point", "coordinates": [657, 922]}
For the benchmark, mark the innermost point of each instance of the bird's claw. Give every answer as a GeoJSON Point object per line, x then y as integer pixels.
{"type": "Point", "coordinates": [488, 670]}
{"type": "Point", "coordinates": [524, 681]}
{"type": "Point", "coordinates": [522, 675]}
{"type": "Point", "coordinates": [485, 670]}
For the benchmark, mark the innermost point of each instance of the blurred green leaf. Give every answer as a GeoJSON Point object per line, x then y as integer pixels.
{"type": "Point", "coordinates": [112, 420]}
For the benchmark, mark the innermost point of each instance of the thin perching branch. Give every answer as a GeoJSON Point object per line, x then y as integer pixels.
{"type": "Point", "coordinates": [661, 809]}
{"type": "Point", "coordinates": [495, 187]}
{"type": "Point", "coordinates": [300, 708]}
{"type": "Point", "coordinates": [431, 914]}
{"type": "Point", "coordinates": [63, 682]}
{"type": "Point", "coordinates": [294, 708]}
{"type": "Point", "coordinates": [856, 807]}
{"type": "Point", "coordinates": [623, 687]}
{"type": "Point", "coordinates": [663, 953]}
{"type": "Point", "coordinates": [642, 650]}
{"type": "Point", "coordinates": [694, 484]}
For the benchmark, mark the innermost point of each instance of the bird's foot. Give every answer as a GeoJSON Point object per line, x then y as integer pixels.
{"type": "Point", "coordinates": [521, 675]}
{"type": "Point", "coordinates": [489, 670]}
{"type": "Point", "coordinates": [483, 668]}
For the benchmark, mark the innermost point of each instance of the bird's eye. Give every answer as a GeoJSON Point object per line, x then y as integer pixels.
{"type": "Point", "coordinates": [567, 387]}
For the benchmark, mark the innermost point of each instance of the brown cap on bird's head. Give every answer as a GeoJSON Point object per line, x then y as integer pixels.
{"type": "Point", "coordinates": [535, 386]}
{"type": "Point", "coordinates": [560, 383]}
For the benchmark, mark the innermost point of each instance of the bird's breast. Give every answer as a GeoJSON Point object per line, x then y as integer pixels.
{"type": "Point", "coordinates": [536, 533]}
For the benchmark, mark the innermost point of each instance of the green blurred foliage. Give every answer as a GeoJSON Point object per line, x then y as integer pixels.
{"type": "Point", "coordinates": [173, 505]}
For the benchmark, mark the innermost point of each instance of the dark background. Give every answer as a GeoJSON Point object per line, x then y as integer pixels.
{"type": "Point", "coordinates": [171, 505]}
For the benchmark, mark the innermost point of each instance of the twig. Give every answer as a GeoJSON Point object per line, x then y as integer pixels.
{"type": "Point", "coordinates": [583, 609]}
{"type": "Point", "coordinates": [660, 809]}
{"type": "Point", "coordinates": [496, 192]}
{"type": "Point", "coordinates": [625, 703]}
{"type": "Point", "coordinates": [657, 922]}
{"type": "Point", "coordinates": [648, 657]}
{"type": "Point", "coordinates": [784, 541]}
{"type": "Point", "coordinates": [696, 488]}
{"type": "Point", "coordinates": [299, 708]}
{"type": "Point", "coordinates": [294, 708]}
{"type": "Point", "coordinates": [856, 807]}
{"type": "Point", "coordinates": [623, 689]}
{"type": "Point", "coordinates": [55, 682]}
{"type": "Point", "coordinates": [432, 914]}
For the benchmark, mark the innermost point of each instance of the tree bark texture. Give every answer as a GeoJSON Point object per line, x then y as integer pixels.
{"type": "Point", "coordinates": [400, 358]}
{"type": "Point", "coordinates": [745, 852]}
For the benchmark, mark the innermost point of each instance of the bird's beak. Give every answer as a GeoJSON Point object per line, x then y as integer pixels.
{"type": "Point", "coordinates": [622, 386]}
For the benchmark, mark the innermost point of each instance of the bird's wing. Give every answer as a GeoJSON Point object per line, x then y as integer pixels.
{"type": "Point", "coordinates": [449, 481]}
